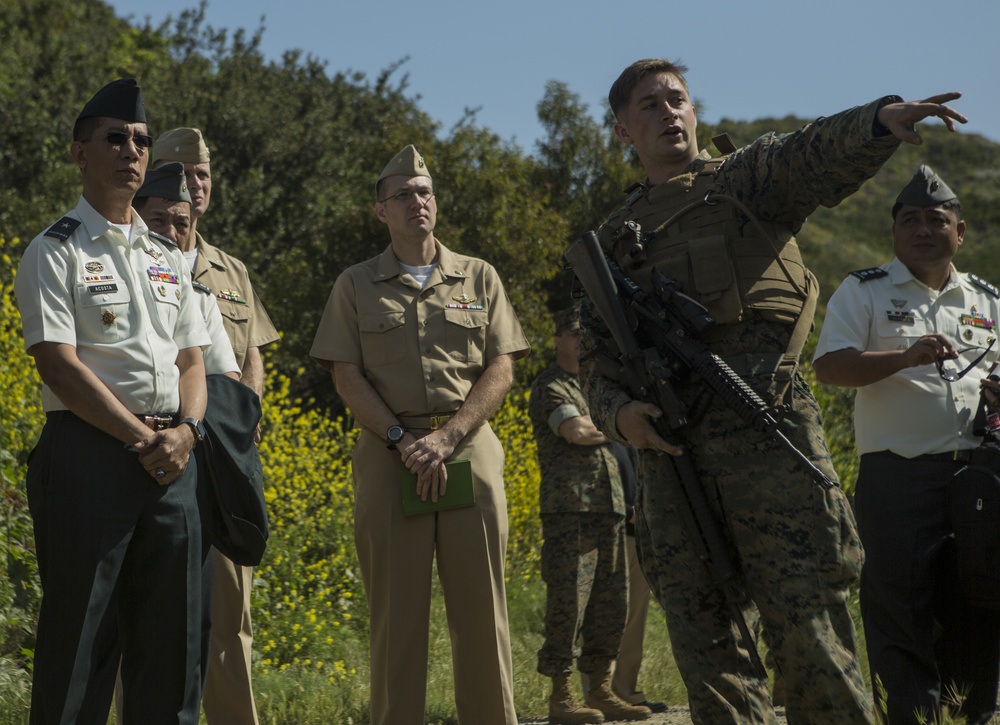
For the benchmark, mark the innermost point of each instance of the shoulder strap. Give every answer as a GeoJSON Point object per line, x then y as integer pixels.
{"type": "Point", "coordinates": [866, 275]}
{"type": "Point", "coordinates": [63, 229]}
{"type": "Point", "coordinates": [161, 238]}
{"type": "Point", "coordinates": [984, 285]}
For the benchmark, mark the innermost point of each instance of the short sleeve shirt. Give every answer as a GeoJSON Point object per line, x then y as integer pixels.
{"type": "Point", "coordinates": [575, 478]}
{"type": "Point", "coordinates": [422, 349]}
{"type": "Point", "coordinates": [243, 315]}
{"type": "Point", "coordinates": [914, 411]}
{"type": "Point", "coordinates": [125, 304]}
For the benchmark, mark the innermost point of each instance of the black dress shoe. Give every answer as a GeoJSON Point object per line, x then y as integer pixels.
{"type": "Point", "coordinates": [654, 706]}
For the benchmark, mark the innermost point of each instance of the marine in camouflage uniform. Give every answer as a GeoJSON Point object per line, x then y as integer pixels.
{"type": "Point", "coordinates": [730, 242]}
{"type": "Point", "coordinates": [582, 505]}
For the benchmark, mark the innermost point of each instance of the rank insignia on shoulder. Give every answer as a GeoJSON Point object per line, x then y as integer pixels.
{"type": "Point", "coordinates": [63, 229]}
{"type": "Point", "coordinates": [983, 284]}
{"type": "Point", "coordinates": [201, 287]}
{"type": "Point", "coordinates": [871, 273]}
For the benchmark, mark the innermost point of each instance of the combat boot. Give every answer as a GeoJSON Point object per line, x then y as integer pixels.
{"type": "Point", "coordinates": [614, 708]}
{"type": "Point", "coordinates": [565, 710]}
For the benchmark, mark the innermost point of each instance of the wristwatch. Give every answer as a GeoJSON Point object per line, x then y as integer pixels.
{"type": "Point", "coordinates": [394, 435]}
{"type": "Point", "coordinates": [197, 426]}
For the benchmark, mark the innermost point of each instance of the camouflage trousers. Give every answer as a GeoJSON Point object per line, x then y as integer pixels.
{"type": "Point", "coordinates": [583, 565]}
{"type": "Point", "coordinates": [797, 551]}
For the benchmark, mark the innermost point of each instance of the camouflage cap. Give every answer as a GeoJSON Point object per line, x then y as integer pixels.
{"type": "Point", "coordinates": [407, 162]}
{"type": "Point", "coordinates": [567, 320]}
{"type": "Point", "coordinates": [180, 144]}
{"type": "Point", "coordinates": [121, 99]}
{"type": "Point", "coordinates": [925, 189]}
{"type": "Point", "coordinates": [167, 181]}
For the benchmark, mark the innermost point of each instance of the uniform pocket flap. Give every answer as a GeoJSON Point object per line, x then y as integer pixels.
{"type": "Point", "coordinates": [381, 321]}
{"type": "Point", "coordinates": [711, 271]}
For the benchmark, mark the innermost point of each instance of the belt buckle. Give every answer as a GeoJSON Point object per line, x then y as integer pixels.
{"type": "Point", "coordinates": [156, 422]}
{"type": "Point", "coordinates": [437, 421]}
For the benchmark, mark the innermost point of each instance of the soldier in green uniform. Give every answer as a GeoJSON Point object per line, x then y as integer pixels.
{"type": "Point", "coordinates": [730, 243]}
{"type": "Point", "coordinates": [583, 558]}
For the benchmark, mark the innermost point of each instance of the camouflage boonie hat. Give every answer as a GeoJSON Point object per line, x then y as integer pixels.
{"type": "Point", "coordinates": [186, 145]}
{"type": "Point", "coordinates": [121, 99]}
{"type": "Point", "coordinates": [925, 189]}
{"type": "Point", "coordinates": [407, 162]}
{"type": "Point", "coordinates": [567, 320]}
{"type": "Point", "coordinates": [167, 181]}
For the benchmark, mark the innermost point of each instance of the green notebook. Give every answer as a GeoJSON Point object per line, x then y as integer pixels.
{"type": "Point", "coordinates": [459, 494]}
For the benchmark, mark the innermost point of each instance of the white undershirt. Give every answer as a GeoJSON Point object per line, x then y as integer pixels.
{"type": "Point", "coordinates": [420, 273]}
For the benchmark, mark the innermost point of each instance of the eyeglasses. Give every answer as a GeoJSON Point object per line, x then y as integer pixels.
{"type": "Point", "coordinates": [951, 374]}
{"type": "Point", "coordinates": [406, 196]}
{"type": "Point", "coordinates": [120, 138]}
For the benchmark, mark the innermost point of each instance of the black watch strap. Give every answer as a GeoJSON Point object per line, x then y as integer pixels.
{"type": "Point", "coordinates": [879, 130]}
{"type": "Point", "coordinates": [394, 435]}
{"type": "Point", "coordinates": [197, 426]}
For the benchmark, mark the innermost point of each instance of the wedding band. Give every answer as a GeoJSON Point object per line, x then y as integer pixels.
{"type": "Point", "coordinates": [160, 473]}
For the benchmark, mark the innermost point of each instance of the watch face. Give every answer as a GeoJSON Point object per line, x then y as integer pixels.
{"type": "Point", "coordinates": [395, 434]}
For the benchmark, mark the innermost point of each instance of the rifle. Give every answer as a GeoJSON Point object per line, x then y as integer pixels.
{"type": "Point", "coordinates": [649, 374]}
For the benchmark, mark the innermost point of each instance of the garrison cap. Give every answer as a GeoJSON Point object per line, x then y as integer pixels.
{"type": "Point", "coordinates": [121, 99]}
{"type": "Point", "coordinates": [925, 189]}
{"type": "Point", "coordinates": [407, 162]}
{"type": "Point", "coordinates": [567, 320]}
{"type": "Point", "coordinates": [180, 144]}
{"type": "Point", "coordinates": [166, 181]}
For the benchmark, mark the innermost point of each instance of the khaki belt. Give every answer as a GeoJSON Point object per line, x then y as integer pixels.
{"type": "Point", "coordinates": [426, 422]}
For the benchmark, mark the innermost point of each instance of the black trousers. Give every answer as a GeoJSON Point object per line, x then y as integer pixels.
{"type": "Point", "coordinates": [925, 640]}
{"type": "Point", "coordinates": [120, 563]}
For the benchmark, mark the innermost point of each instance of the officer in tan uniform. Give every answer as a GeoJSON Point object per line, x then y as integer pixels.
{"type": "Point", "coordinates": [421, 343]}
{"type": "Point", "coordinates": [725, 230]}
{"type": "Point", "coordinates": [228, 690]}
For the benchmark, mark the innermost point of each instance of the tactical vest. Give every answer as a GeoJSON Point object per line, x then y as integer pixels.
{"type": "Point", "coordinates": [722, 255]}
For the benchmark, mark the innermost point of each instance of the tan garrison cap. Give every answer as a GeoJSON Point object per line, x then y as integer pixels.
{"type": "Point", "coordinates": [925, 189]}
{"type": "Point", "coordinates": [181, 144]}
{"type": "Point", "coordinates": [407, 162]}
{"type": "Point", "coordinates": [567, 320]}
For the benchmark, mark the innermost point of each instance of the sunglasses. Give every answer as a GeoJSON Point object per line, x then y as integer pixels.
{"type": "Point", "coordinates": [120, 138]}
{"type": "Point", "coordinates": [952, 374]}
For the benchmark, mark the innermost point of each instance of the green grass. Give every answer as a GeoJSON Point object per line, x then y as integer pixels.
{"type": "Point", "coordinates": [307, 698]}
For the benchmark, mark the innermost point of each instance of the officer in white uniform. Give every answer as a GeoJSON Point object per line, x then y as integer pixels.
{"type": "Point", "coordinates": [917, 338]}
{"type": "Point", "coordinates": [110, 317]}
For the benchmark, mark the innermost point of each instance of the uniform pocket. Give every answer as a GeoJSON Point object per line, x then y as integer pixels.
{"type": "Point", "coordinates": [104, 314]}
{"type": "Point", "coordinates": [383, 337]}
{"type": "Point", "coordinates": [465, 334]}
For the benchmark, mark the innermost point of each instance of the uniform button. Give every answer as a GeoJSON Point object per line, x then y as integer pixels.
{"type": "Point", "coordinates": [427, 350]}
{"type": "Point", "coordinates": [105, 298]}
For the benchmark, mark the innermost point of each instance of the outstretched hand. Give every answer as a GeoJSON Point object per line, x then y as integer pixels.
{"type": "Point", "coordinates": [900, 118]}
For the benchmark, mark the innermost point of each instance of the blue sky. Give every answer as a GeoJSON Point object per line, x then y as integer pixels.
{"type": "Point", "coordinates": [748, 59]}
